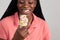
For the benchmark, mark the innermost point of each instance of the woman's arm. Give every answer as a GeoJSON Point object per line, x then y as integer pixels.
{"type": "Point", "coordinates": [46, 32]}
{"type": "Point", "coordinates": [2, 32]}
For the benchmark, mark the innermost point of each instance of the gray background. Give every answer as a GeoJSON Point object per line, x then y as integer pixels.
{"type": "Point", "coordinates": [51, 11]}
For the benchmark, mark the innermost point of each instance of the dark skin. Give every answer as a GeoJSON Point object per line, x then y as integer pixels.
{"type": "Point", "coordinates": [25, 5]}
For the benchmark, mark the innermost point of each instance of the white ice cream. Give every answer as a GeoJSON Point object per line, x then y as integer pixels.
{"type": "Point", "coordinates": [23, 20]}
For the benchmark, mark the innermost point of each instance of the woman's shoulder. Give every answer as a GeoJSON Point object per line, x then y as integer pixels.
{"type": "Point", "coordinates": [6, 25]}
{"type": "Point", "coordinates": [41, 21]}
{"type": "Point", "coordinates": [6, 22]}
{"type": "Point", "coordinates": [38, 19]}
{"type": "Point", "coordinates": [8, 18]}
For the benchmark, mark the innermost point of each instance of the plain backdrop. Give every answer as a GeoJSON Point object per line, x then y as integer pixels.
{"type": "Point", "coordinates": [51, 11]}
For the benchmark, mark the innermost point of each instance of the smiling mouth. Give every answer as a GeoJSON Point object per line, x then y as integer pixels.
{"type": "Point", "coordinates": [25, 11]}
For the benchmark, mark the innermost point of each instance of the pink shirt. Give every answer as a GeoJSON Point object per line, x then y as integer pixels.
{"type": "Point", "coordinates": [38, 30]}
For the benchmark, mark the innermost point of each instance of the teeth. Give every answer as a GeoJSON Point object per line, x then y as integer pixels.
{"type": "Point", "coordinates": [26, 10]}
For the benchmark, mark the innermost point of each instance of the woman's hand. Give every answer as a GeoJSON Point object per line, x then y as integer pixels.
{"type": "Point", "coordinates": [20, 34]}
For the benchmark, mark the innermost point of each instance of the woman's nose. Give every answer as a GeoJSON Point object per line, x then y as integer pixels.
{"type": "Point", "coordinates": [26, 5]}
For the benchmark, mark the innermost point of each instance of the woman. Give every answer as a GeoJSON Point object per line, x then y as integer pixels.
{"type": "Point", "coordinates": [20, 23]}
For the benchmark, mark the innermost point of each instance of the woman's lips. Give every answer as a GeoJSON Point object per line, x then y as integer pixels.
{"type": "Point", "coordinates": [25, 11]}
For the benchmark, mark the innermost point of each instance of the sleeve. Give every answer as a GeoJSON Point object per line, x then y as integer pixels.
{"type": "Point", "coordinates": [2, 32]}
{"type": "Point", "coordinates": [46, 32]}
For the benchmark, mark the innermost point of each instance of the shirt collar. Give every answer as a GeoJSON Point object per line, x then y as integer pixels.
{"type": "Point", "coordinates": [16, 18]}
